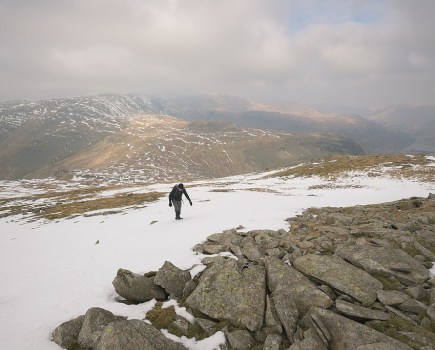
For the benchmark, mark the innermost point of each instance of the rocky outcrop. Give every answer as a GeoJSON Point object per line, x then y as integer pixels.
{"type": "Point", "coordinates": [282, 278]}
{"type": "Point", "coordinates": [94, 322]}
{"type": "Point", "coordinates": [344, 334]}
{"type": "Point", "coordinates": [134, 335]}
{"type": "Point", "coordinates": [340, 278]}
{"type": "Point", "coordinates": [385, 261]}
{"type": "Point", "coordinates": [136, 288]}
{"type": "Point", "coordinates": [172, 279]}
{"type": "Point", "coordinates": [228, 291]}
{"type": "Point", "coordinates": [67, 334]}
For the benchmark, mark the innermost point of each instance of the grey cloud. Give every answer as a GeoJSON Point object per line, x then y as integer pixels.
{"type": "Point", "coordinates": [341, 52]}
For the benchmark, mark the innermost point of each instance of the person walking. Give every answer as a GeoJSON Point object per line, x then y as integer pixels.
{"type": "Point", "coordinates": [175, 199]}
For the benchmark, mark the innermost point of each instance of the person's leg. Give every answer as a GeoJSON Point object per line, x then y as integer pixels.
{"type": "Point", "coordinates": [177, 208]}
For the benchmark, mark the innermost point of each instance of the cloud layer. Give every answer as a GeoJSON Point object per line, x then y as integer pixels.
{"type": "Point", "coordinates": [371, 52]}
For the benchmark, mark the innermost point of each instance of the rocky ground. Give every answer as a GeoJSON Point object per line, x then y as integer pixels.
{"type": "Point", "coordinates": [339, 278]}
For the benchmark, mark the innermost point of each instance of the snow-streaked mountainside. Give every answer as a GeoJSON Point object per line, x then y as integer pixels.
{"type": "Point", "coordinates": [55, 269]}
{"type": "Point", "coordinates": [123, 136]}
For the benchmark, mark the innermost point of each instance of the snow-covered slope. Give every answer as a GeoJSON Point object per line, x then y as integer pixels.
{"type": "Point", "coordinates": [53, 271]}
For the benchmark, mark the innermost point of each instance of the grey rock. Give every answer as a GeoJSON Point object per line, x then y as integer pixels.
{"type": "Point", "coordinates": [340, 276]}
{"type": "Point", "coordinates": [287, 313]}
{"type": "Point", "coordinates": [311, 341]}
{"type": "Point", "coordinates": [417, 292]}
{"type": "Point", "coordinates": [359, 313]}
{"type": "Point", "coordinates": [227, 291]}
{"type": "Point", "coordinates": [349, 335]}
{"type": "Point", "coordinates": [137, 288]}
{"type": "Point", "coordinates": [135, 335]}
{"type": "Point", "coordinates": [391, 297]}
{"type": "Point", "coordinates": [207, 326]}
{"type": "Point", "coordinates": [66, 335]}
{"type": "Point", "coordinates": [377, 346]}
{"type": "Point", "coordinates": [189, 288]}
{"type": "Point", "coordinates": [420, 339]}
{"type": "Point", "coordinates": [426, 322]}
{"type": "Point", "coordinates": [271, 318]}
{"type": "Point", "coordinates": [240, 340]}
{"type": "Point", "coordinates": [181, 324]}
{"type": "Point", "coordinates": [401, 315]}
{"type": "Point", "coordinates": [277, 252]}
{"type": "Point", "coordinates": [413, 306]}
{"type": "Point", "coordinates": [272, 342]}
{"type": "Point", "coordinates": [266, 241]}
{"type": "Point", "coordinates": [225, 239]}
{"type": "Point", "coordinates": [94, 322]}
{"type": "Point", "coordinates": [284, 278]}
{"type": "Point", "coordinates": [213, 248]}
{"type": "Point", "coordinates": [172, 279]}
{"type": "Point", "coordinates": [385, 261]}
{"type": "Point", "coordinates": [251, 250]}
{"type": "Point", "coordinates": [431, 312]}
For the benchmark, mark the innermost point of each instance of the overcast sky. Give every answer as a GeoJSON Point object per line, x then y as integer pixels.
{"type": "Point", "coordinates": [338, 52]}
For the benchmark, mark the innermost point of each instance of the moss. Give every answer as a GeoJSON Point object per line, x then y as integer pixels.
{"type": "Point", "coordinates": [393, 326]}
{"type": "Point", "coordinates": [389, 284]}
{"type": "Point", "coordinates": [161, 318]}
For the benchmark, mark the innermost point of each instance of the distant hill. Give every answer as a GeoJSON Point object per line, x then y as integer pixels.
{"type": "Point", "coordinates": [374, 137]}
{"type": "Point", "coordinates": [418, 121]}
{"type": "Point", "coordinates": [133, 136]}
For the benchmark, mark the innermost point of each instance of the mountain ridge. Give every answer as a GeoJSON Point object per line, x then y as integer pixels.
{"type": "Point", "coordinates": [134, 134]}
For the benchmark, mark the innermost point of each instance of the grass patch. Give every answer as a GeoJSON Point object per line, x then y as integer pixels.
{"type": "Point", "coordinates": [161, 318]}
{"type": "Point", "coordinates": [393, 326]}
{"type": "Point", "coordinates": [401, 165]}
{"type": "Point", "coordinates": [221, 190]}
{"type": "Point", "coordinates": [63, 210]}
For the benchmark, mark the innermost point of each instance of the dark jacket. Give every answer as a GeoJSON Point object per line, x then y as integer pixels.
{"type": "Point", "coordinates": [177, 193]}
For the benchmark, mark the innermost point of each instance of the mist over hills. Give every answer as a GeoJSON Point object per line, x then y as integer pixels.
{"type": "Point", "coordinates": [373, 136]}
{"type": "Point", "coordinates": [122, 136]}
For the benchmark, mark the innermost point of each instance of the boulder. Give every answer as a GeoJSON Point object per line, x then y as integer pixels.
{"type": "Point", "coordinates": [385, 261]}
{"type": "Point", "coordinates": [240, 339]}
{"type": "Point", "coordinates": [359, 313]}
{"type": "Point", "coordinates": [225, 239]}
{"type": "Point", "coordinates": [391, 297]}
{"type": "Point", "coordinates": [287, 313]}
{"type": "Point", "coordinates": [137, 288]}
{"type": "Point", "coordinates": [271, 318]}
{"type": "Point", "coordinates": [252, 250]}
{"type": "Point", "coordinates": [341, 276]}
{"type": "Point", "coordinates": [311, 341]}
{"type": "Point", "coordinates": [172, 279]}
{"type": "Point", "coordinates": [431, 312]}
{"type": "Point", "coordinates": [272, 342]}
{"type": "Point", "coordinates": [94, 322]}
{"type": "Point", "coordinates": [346, 334]}
{"type": "Point", "coordinates": [413, 306]}
{"type": "Point", "coordinates": [282, 277]}
{"type": "Point", "coordinates": [135, 335]}
{"type": "Point", "coordinates": [227, 291]}
{"type": "Point", "coordinates": [66, 335]}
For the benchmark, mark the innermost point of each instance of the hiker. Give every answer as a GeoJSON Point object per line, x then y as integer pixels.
{"type": "Point", "coordinates": [175, 198]}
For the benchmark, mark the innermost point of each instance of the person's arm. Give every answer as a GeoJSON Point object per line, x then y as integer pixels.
{"type": "Point", "coordinates": [187, 196]}
{"type": "Point", "coordinates": [171, 196]}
